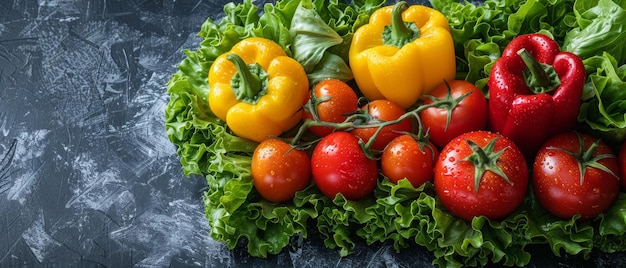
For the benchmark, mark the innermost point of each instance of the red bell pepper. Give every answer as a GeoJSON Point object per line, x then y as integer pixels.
{"type": "Point", "coordinates": [535, 91]}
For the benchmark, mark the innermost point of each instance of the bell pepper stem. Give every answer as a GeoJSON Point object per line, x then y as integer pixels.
{"type": "Point", "coordinates": [250, 84]}
{"type": "Point", "coordinates": [400, 32]}
{"type": "Point", "coordinates": [540, 75]}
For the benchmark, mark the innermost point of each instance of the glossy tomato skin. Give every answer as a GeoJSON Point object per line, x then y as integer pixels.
{"type": "Point", "coordinates": [383, 110]}
{"type": "Point", "coordinates": [622, 165]}
{"type": "Point", "coordinates": [556, 178]}
{"type": "Point", "coordinates": [278, 171]}
{"type": "Point", "coordinates": [469, 115]}
{"type": "Point", "coordinates": [340, 166]}
{"type": "Point", "coordinates": [342, 101]}
{"type": "Point", "coordinates": [404, 157]}
{"type": "Point", "coordinates": [495, 197]}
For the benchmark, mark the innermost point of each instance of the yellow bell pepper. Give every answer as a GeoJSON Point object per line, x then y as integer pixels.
{"type": "Point", "coordinates": [404, 52]}
{"type": "Point", "coordinates": [257, 89]}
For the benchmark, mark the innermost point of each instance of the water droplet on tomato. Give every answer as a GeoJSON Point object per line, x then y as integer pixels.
{"type": "Point", "coordinates": [596, 190]}
{"type": "Point", "coordinates": [446, 170]}
{"type": "Point", "coordinates": [452, 159]}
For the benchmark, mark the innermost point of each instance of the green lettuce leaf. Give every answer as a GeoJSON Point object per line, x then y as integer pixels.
{"type": "Point", "coordinates": [611, 235]}
{"type": "Point", "coordinates": [601, 27]}
{"type": "Point", "coordinates": [605, 112]}
{"type": "Point", "coordinates": [312, 36]}
{"type": "Point", "coordinates": [275, 23]}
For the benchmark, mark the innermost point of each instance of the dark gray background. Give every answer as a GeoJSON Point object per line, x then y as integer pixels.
{"type": "Point", "coordinates": [88, 177]}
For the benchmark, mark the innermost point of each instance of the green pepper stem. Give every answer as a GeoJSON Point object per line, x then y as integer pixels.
{"type": "Point", "coordinates": [250, 84]}
{"type": "Point", "coordinates": [399, 29]}
{"type": "Point", "coordinates": [540, 75]}
{"type": "Point", "coordinates": [399, 32]}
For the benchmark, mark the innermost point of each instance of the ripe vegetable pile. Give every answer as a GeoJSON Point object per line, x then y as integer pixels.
{"type": "Point", "coordinates": [476, 197]}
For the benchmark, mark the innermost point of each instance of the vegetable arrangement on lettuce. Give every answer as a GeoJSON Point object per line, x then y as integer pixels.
{"type": "Point", "coordinates": [318, 35]}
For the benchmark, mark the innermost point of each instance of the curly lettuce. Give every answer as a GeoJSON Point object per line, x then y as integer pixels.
{"type": "Point", "coordinates": [604, 112]}
{"type": "Point", "coordinates": [600, 28]}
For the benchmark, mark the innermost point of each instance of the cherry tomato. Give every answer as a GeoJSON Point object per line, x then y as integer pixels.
{"type": "Point", "coordinates": [339, 165]}
{"type": "Point", "coordinates": [341, 100]}
{"type": "Point", "coordinates": [383, 110]}
{"type": "Point", "coordinates": [557, 180]}
{"type": "Point", "coordinates": [279, 171]}
{"type": "Point", "coordinates": [622, 165]}
{"type": "Point", "coordinates": [406, 157]}
{"type": "Point", "coordinates": [467, 115]}
{"type": "Point", "coordinates": [481, 173]}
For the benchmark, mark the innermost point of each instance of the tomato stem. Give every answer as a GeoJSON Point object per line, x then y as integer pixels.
{"type": "Point", "coordinates": [422, 137]}
{"type": "Point", "coordinates": [313, 102]}
{"type": "Point", "coordinates": [485, 159]}
{"type": "Point", "coordinates": [448, 102]}
{"type": "Point", "coordinates": [362, 119]}
{"type": "Point", "coordinates": [585, 157]}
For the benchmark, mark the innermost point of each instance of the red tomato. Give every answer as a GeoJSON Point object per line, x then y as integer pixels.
{"type": "Point", "coordinates": [469, 114]}
{"type": "Point", "coordinates": [408, 158]}
{"type": "Point", "coordinates": [383, 110]}
{"type": "Point", "coordinates": [341, 101]}
{"type": "Point", "coordinates": [339, 165]}
{"type": "Point", "coordinates": [467, 193]}
{"type": "Point", "coordinates": [279, 171]}
{"type": "Point", "coordinates": [557, 180]}
{"type": "Point", "coordinates": [622, 164]}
